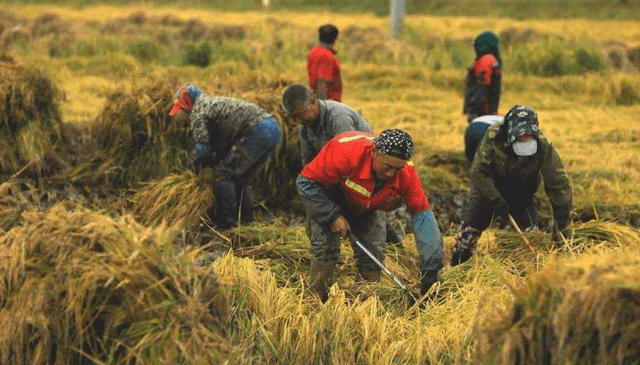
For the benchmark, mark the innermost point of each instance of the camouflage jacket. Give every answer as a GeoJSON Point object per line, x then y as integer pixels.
{"type": "Point", "coordinates": [333, 119]}
{"type": "Point", "coordinates": [220, 121]}
{"type": "Point", "coordinates": [498, 171]}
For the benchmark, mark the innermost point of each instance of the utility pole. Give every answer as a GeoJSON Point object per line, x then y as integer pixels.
{"type": "Point", "coordinates": [397, 17]}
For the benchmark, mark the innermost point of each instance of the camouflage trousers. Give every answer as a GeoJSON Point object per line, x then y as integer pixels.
{"type": "Point", "coordinates": [368, 227]}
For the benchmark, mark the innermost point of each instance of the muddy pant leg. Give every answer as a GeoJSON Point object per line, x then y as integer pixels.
{"type": "Point", "coordinates": [226, 207]}
{"type": "Point", "coordinates": [325, 252]}
{"type": "Point", "coordinates": [370, 229]}
{"type": "Point", "coordinates": [477, 218]}
{"type": "Point", "coordinates": [325, 244]}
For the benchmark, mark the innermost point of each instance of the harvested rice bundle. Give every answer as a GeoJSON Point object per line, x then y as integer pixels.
{"type": "Point", "coordinates": [78, 287]}
{"type": "Point", "coordinates": [30, 123]}
{"type": "Point", "coordinates": [134, 140]}
{"type": "Point", "coordinates": [581, 237]}
{"type": "Point", "coordinates": [14, 199]}
{"type": "Point", "coordinates": [582, 312]}
{"type": "Point", "coordinates": [177, 200]}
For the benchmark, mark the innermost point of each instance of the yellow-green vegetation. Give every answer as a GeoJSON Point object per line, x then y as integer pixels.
{"type": "Point", "coordinates": [29, 120]}
{"type": "Point", "coordinates": [98, 210]}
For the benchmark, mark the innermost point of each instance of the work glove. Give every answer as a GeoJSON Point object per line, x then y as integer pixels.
{"type": "Point", "coordinates": [501, 208]}
{"type": "Point", "coordinates": [201, 156]}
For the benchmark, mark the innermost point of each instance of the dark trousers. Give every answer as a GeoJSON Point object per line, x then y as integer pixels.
{"type": "Point", "coordinates": [479, 212]}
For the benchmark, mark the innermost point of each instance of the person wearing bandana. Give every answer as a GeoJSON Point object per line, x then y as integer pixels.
{"type": "Point", "coordinates": [347, 186]}
{"type": "Point", "coordinates": [319, 121]}
{"type": "Point", "coordinates": [506, 172]}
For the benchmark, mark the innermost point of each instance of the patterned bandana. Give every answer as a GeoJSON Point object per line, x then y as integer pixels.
{"type": "Point", "coordinates": [521, 120]}
{"type": "Point", "coordinates": [185, 96]}
{"type": "Point", "coordinates": [394, 142]}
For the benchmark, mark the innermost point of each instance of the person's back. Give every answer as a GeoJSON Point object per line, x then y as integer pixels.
{"type": "Point", "coordinates": [323, 66]}
{"type": "Point", "coordinates": [334, 118]}
{"type": "Point", "coordinates": [484, 78]}
{"type": "Point", "coordinates": [475, 132]}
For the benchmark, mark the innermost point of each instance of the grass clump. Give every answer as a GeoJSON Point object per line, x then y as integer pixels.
{"type": "Point", "coordinates": [174, 200]}
{"type": "Point", "coordinates": [586, 311]}
{"type": "Point", "coordinates": [30, 124]}
{"type": "Point", "coordinates": [81, 288]}
{"type": "Point", "coordinates": [134, 140]}
{"type": "Point", "coordinates": [551, 56]}
{"type": "Point", "coordinates": [198, 55]}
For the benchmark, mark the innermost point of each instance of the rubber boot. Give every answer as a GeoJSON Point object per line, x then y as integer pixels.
{"type": "Point", "coordinates": [244, 199]}
{"type": "Point", "coordinates": [368, 276]}
{"type": "Point", "coordinates": [460, 256]}
{"type": "Point", "coordinates": [226, 206]}
{"type": "Point", "coordinates": [427, 280]}
{"type": "Point", "coordinates": [465, 243]}
{"type": "Point", "coordinates": [392, 235]}
{"type": "Point", "coordinates": [320, 279]}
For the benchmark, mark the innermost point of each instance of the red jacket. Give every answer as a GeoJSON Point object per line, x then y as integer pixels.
{"type": "Point", "coordinates": [322, 63]}
{"type": "Point", "coordinates": [347, 159]}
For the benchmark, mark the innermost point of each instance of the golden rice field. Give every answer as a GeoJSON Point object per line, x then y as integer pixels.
{"type": "Point", "coordinates": [97, 209]}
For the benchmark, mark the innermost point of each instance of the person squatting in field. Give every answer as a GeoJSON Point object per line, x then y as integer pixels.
{"type": "Point", "coordinates": [353, 179]}
{"type": "Point", "coordinates": [323, 66]}
{"type": "Point", "coordinates": [319, 121]}
{"type": "Point", "coordinates": [484, 78]}
{"type": "Point", "coordinates": [505, 175]}
{"type": "Point", "coordinates": [232, 139]}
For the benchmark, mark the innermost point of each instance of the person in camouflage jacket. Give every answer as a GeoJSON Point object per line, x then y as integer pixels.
{"type": "Point", "coordinates": [506, 171]}
{"type": "Point", "coordinates": [232, 138]}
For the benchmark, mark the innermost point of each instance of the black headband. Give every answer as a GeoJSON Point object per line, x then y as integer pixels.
{"type": "Point", "coordinates": [395, 142]}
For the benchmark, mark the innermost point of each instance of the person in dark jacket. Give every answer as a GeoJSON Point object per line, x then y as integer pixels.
{"type": "Point", "coordinates": [233, 138]}
{"type": "Point", "coordinates": [353, 179]}
{"type": "Point", "coordinates": [484, 78]}
{"type": "Point", "coordinates": [505, 174]}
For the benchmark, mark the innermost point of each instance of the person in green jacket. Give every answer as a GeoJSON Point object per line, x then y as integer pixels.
{"type": "Point", "coordinates": [506, 171]}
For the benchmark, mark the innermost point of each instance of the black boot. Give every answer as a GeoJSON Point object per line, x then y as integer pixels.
{"type": "Point", "coordinates": [460, 256]}
{"type": "Point", "coordinates": [244, 199]}
{"type": "Point", "coordinates": [392, 235]}
{"type": "Point", "coordinates": [427, 280]}
{"type": "Point", "coordinates": [226, 206]}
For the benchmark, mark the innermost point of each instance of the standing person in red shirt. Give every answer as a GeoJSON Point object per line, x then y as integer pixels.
{"type": "Point", "coordinates": [345, 188]}
{"type": "Point", "coordinates": [323, 66]}
{"type": "Point", "coordinates": [484, 78]}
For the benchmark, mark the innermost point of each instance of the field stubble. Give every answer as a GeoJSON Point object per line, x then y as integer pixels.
{"type": "Point", "coordinates": [118, 75]}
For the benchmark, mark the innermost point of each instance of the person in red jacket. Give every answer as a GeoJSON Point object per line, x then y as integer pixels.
{"type": "Point", "coordinates": [323, 66]}
{"type": "Point", "coordinates": [484, 78]}
{"type": "Point", "coordinates": [346, 186]}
